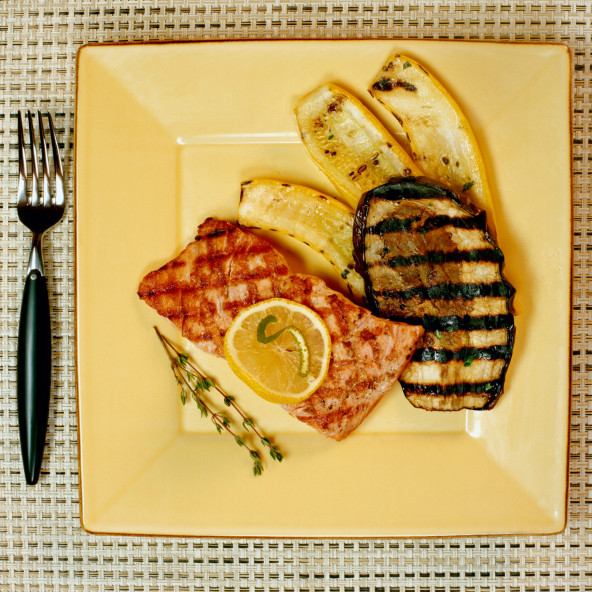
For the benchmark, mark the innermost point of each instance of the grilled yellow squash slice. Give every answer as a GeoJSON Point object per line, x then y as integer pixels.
{"type": "Point", "coordinates": [318, 220]}
{"type": "Point", "coordinates": [348, 142]}
{"type": "Point", "coordinates": [441, 139]}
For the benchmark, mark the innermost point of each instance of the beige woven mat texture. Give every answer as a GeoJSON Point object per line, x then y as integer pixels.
{"type": "Point", "coordinates": [42, 546]}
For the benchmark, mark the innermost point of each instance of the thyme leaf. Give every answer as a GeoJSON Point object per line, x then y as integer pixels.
{"type": "Point", "coordinates": [469, 360]}
{"type": "Point", "coordinates": [195, 384]}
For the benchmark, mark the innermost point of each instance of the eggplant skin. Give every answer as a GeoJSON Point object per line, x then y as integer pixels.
{"type": "Point", "coordinates": [427, 259]}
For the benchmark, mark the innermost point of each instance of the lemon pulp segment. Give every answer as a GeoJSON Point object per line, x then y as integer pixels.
{"type": "Point", "coordinates": [279, 348]}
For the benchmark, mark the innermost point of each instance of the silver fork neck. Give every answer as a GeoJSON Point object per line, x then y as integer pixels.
{"type": "Point", "coordinates": [35, 256]}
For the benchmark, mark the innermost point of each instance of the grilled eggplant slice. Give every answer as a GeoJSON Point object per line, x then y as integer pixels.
{"type": "Point", "coordinates": [316, 219]}
{"type": "Point", "coordinates": [442, 142]}
{"type": "Point", "coordinates": [348, 143]}
{"type": "Point", "coordinates": [427, 259]}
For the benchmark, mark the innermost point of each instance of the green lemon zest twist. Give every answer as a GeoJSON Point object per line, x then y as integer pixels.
{"type": "Point", "coordinates": [296, 334]}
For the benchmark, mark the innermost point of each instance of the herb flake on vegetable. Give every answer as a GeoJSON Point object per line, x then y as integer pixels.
{"type": "Point", "coordinates": [469, 360]}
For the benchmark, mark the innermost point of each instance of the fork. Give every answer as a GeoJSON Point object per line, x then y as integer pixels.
{"type": "Point", "coordinates": [39, 212]}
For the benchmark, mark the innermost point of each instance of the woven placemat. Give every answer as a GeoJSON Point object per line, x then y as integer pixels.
{"type": "Point", "coordinates": [42, 546]}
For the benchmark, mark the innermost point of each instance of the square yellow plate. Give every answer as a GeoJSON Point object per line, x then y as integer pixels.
{"type": "Point", "coordinates": [165, 133]}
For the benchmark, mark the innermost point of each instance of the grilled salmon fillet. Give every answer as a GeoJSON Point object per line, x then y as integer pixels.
{"type": "Point", "coordinates": [228, 268]}
{"type": "Point", "coordinates": [427, 259]}
{"type": "Point", "coordinates": [368, 355]}
{"type": "Point", "coordinates": [221, 272]}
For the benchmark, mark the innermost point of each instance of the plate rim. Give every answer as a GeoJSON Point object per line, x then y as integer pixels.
{"type": "Point", "coordinates": [94, 46]}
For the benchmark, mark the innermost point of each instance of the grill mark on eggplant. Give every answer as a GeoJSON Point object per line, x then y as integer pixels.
{"type": "Point", "coordinates": [437, 257]}
{"type": "Point", "coordinates": [414, 188]}
{"type": "Point", "coordinates": [411, 274]}
{"type": "Point", "coordinates": [460, 323]}
{"type": "Point", "coordinates": [449, 291]}
{"type": "Point", "coordinates": [491, 387]}
{"type": "Point", "coordinates": [406, 224]}
{"type": "Point", "coordinates": [466, 354]}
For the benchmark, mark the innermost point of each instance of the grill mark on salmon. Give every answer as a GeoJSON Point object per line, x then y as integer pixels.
{"type": "Point", "coordinates": [427, 259]}
{"type": "Point", "coordinates": [228, 268]}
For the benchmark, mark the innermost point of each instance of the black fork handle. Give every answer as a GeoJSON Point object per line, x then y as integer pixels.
{"type": "Point", "coordinates": [34, 373]}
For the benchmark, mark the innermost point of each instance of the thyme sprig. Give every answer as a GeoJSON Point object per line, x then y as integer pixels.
{"type": "Point", "coordinates": [194, 384]}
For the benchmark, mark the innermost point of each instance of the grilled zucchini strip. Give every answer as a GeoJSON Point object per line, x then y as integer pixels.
{"type": "Point", "coordinates": [348, 143]}
{"type": "Point", "coordinates": [441, 139]}
{"type": "Point", "coordinates": [318, 220]}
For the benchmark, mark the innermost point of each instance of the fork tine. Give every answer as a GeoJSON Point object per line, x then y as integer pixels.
{"type": "Point", "coordinates": [22, 183]}
{"type": "Point", "coordinates": [44, 162]}
{"type": "Point", "coordinates": [35, 189]}
{"type": "Point", "coordinates": [57, 163]}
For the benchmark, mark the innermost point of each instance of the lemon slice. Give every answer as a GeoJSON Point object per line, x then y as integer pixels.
{"type": "Point", "coordinates": [279, 348]}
